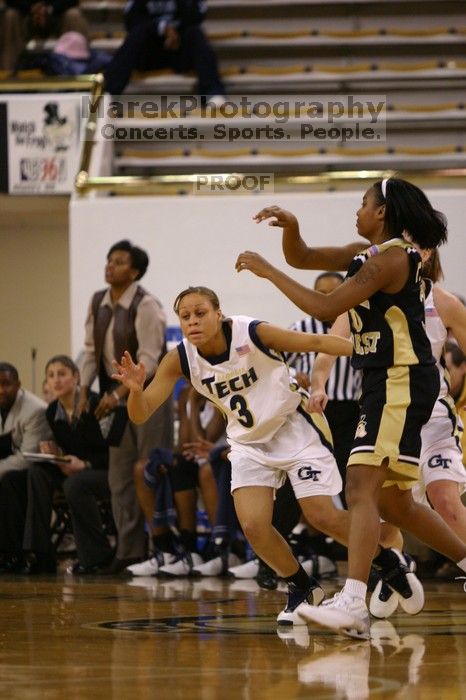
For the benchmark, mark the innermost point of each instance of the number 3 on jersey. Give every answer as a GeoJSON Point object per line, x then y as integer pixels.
{"type": "Point", "coordinates": [238, 403]}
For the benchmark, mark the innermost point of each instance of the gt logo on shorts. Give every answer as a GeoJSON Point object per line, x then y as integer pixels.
{"type": "Point", "coordinates": [438, 461]}
{"type": "Point", "coordinates": [306, 473]}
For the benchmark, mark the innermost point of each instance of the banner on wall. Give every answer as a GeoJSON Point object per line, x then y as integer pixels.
{"type": "Point", "coordinates": [43, 142]}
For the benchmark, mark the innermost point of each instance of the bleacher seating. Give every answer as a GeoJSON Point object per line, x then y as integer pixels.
{"type": "Point", "coordinates": [412, 53]}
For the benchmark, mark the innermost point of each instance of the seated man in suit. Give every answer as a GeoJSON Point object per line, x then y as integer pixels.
{"type": "Point", "coordinates": [23, 426]}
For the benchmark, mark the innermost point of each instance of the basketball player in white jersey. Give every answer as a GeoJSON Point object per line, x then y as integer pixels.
{"type": "Point", "coordinates": [238, 364]}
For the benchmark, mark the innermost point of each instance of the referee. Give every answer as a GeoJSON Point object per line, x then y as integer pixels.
{"type": "Point", "coordinates": [343, 386]}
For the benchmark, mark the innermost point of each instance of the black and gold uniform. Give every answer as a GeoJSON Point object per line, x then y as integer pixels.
{"type": "Point", "coordinates": [400, 379]}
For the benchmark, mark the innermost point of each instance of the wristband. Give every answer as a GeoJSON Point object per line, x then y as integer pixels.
{"type": "Point", "coordinates": [115, 396]}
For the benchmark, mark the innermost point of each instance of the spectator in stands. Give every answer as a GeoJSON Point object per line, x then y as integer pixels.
{"type": "Point", "coordinates": [166, 34]}
{"type": "Point", "coordinates": [72, 55]}
{"type": "Point", "coordinates": [123, 316]}
{"type": "Point", "coordinates": [27, 19]}
{"type": "Point", "coordinates": [22, 427]}
{"type": "Point", "coordinates": [344, 384]}
{"type": "Point", "coordinates": [83, 477]}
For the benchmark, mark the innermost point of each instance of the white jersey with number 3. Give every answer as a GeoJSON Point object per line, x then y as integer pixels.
{"type": "Point", "coordinates": [250, 383]}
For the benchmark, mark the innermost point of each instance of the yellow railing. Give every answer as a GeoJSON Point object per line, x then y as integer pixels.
{"type": "Point", "coordinates": [174, 184]}
{"type": "Point", "coordinates": [97, 92]}
{"type": "Point", "coordinates": [35, 81]}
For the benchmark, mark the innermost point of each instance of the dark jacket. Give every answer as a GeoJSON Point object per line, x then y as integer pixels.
{"type": "Point", "coordinates": [82, 437]}
{"type": "Point", "coordinates": [178, 13]}
{"type": "Point", "coordinates": [58, 64]}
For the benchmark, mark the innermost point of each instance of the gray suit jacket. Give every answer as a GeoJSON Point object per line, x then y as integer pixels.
{"type": "Point", "coordinates": [28, 426]}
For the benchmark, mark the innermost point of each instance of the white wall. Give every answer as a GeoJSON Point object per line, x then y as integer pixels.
{"type": "Point", "coordinates": [195, 240]}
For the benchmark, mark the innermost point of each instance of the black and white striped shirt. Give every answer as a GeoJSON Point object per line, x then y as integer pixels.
{"type": "Point", "coordinates": [344, 383]}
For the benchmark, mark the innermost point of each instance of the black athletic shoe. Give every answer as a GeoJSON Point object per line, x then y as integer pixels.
{"type": "Point", "coordinates": [313, 595]}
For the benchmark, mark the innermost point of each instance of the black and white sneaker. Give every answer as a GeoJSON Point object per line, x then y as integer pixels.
{"type": "Point", "coordinates": [151, 566]}
{"type": "Point", "coordinates": [297, 597]}
{"type": "Point", "coordinates": [182, 566]}
{"type": "Point", "coordinates": [398, 584]}
{"type": "Point", "coordinates": [218, 566]}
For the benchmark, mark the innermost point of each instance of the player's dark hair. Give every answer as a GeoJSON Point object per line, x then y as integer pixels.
{"type": "Point", "coordinates": [408, 209]}
{"type": "Point", "coordinates": [204, 291]}
{"type": "Point", "coordinates": [457, 355]}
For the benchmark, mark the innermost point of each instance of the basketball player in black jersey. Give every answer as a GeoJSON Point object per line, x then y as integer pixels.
{"type": "Point", "coordinates": [383, 295]}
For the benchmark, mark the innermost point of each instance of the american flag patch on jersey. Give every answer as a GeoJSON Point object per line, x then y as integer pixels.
{"type": "Point", "coordinates": [243, 350]}
{"type": "Point", "coordinates": [431, 311]}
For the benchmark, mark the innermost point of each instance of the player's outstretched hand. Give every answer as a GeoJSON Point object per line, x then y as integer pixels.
{"type": "Point", "coordinates": [278, 217]}
{"type": "Point", "coordinates": [254, 263]}
{"type": "Point", "coordinates": [131, 375]}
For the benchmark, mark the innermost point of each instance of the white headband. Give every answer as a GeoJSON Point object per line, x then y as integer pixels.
{"type": "Point", "coordinates": [384, 187]}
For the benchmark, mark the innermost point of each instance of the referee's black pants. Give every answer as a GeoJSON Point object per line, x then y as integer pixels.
{"type": "Point", "coordinates": [342, 417]}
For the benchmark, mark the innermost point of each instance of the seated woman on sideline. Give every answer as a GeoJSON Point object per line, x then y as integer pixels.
{"type": "Point", "coordinates": [83, 477]}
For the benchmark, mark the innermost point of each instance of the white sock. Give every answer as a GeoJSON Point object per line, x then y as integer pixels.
{"type": "Point", "coordinates": [462, 564]}
{"type": "Point", "coordinates": [355, 588]}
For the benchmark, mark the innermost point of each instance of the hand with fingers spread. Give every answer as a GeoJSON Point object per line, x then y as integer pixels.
{"type": "Point", "coordinates": [131, 375]}
{"type": "Point", "coordinates": [254, 263]}
{"type": "Point", "coordinates": [279, 217]}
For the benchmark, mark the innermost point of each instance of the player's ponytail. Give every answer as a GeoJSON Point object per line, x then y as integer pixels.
{"type": "Point", "coordinates": [408, 209]}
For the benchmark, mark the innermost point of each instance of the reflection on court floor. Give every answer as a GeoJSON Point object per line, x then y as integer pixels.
{"type": "Point", "coordinates": [210, 639]}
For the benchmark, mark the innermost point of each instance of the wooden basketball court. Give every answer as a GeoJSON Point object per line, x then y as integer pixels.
{"type": "Point", "coordinates": [208, 639]}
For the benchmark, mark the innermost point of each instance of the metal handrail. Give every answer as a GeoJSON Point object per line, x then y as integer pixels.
{"type": "Point", "coordinates": [130, 185]}
{"type": "Point", "coordinates": [97, 92]}
{"type": "Point", "coordinates": [176, 184]}
{"type": "Point", "coordinates": [53, 83]}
